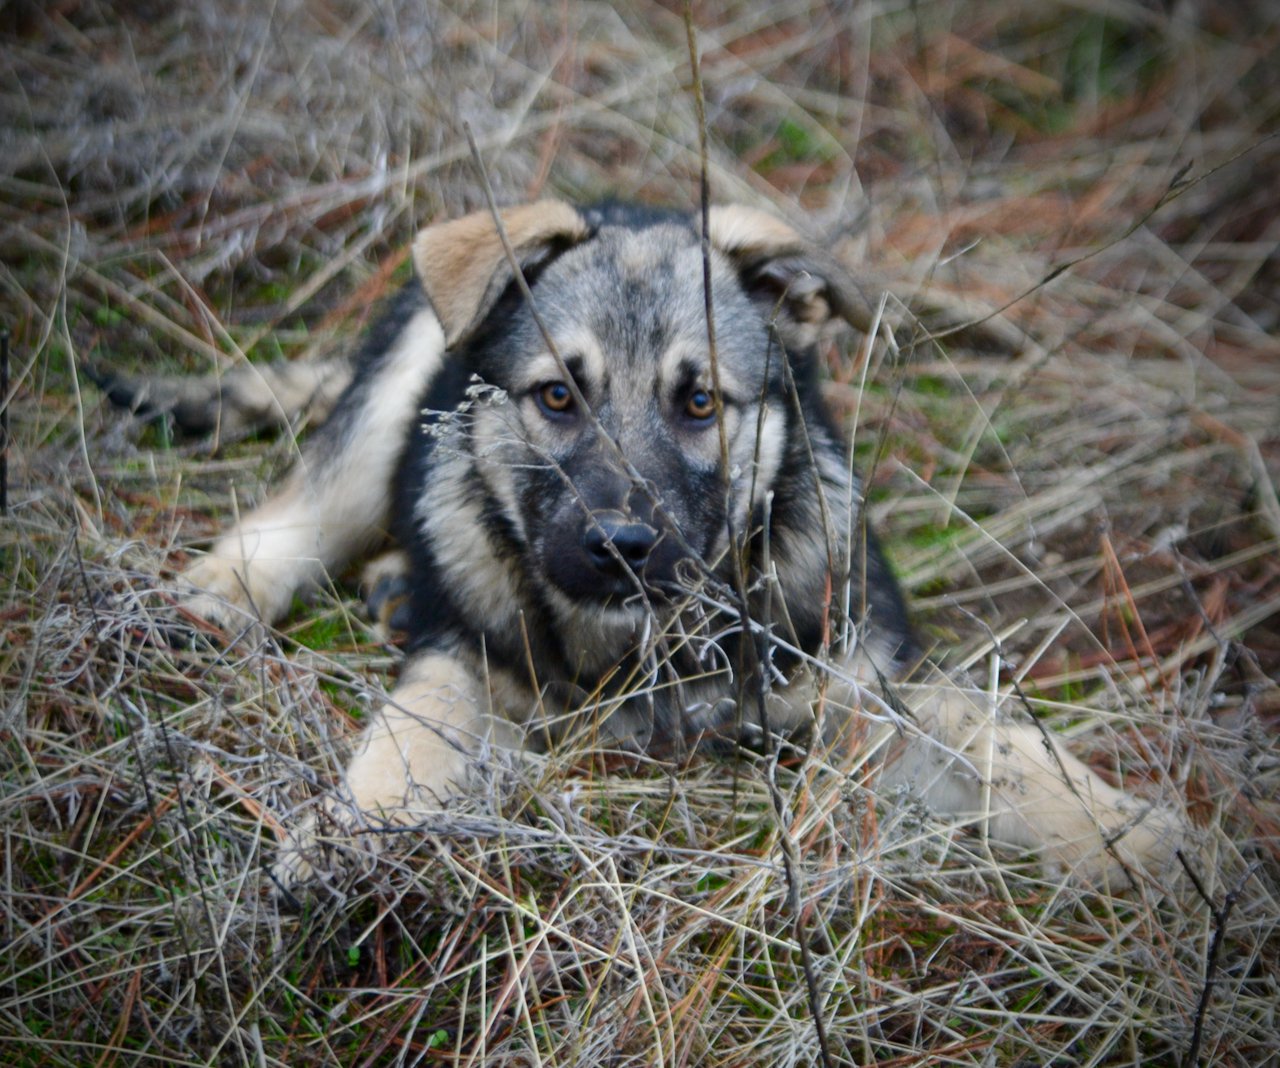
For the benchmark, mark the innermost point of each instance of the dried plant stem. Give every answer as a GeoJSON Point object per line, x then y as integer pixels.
{"type": "Point", "coordinates": [1221, 915]}
{"type": "Point", "coordinates": [754, 645]}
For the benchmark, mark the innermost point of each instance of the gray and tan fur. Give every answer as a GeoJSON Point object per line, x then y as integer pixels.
{"type": "Point", "coordinates": [583, 518]}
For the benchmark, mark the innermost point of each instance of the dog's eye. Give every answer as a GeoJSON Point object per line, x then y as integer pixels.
{"type": "Point", "coordinates": [701, 405]}
{"type": "Point", "coordinates": [556, 398]}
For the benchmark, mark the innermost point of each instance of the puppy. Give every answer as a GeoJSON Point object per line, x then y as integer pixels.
{"type": "Point", "coordinates": [622, 516]}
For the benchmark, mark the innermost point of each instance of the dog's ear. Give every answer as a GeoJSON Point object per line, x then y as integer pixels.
{"type": "Point", "coordinates": [803, 287]}
{"type": "Point", "coordinates": [464, 268]}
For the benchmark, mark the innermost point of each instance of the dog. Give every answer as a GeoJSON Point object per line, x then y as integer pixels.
{"type": "Point", "coordinates": [624, 513]}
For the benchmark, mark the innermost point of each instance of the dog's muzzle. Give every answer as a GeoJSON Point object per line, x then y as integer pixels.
{"type": "Point", "coordinates": [616, 544]}
{"type": "Point", "coordinates": [610, 554]}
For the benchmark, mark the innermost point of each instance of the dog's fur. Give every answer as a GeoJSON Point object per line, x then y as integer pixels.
{"type": "Point", "coordinates": [587, 512]}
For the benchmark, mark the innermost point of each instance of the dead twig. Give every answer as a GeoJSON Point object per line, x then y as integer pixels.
{"type": "Point", "coordinates": [1221, 914]}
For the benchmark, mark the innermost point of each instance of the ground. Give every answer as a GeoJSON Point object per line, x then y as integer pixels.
{"type": "Point", "coordinates": [1079, 492]}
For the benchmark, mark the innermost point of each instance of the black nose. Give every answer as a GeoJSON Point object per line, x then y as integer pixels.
{"type": "Point", "coordinates": [614, 543]}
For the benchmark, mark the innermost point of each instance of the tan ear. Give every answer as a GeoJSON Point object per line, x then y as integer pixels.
{"type": "Point", "coordinates": [806, 284]}
{"type": "Point", "coordinates": [464, 268]}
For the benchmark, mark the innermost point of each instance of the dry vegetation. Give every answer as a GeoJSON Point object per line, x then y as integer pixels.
{"type": "Point", "coordinates": [1094, 518]}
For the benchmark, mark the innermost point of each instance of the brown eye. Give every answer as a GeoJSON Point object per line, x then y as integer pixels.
{"type": "Point", "coordinates": [701, 405]}
{"type": "Point", "coordinates": [555, 398]}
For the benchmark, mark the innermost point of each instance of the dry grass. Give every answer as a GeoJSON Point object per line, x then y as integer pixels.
{"type": "Point", "coordinates": [1094, 518]}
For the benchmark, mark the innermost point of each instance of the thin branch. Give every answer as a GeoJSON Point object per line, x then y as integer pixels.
{"type": "Point", "coordinates": [755, 649]}
{"type": "Point", "coordinates": [1221, 914]}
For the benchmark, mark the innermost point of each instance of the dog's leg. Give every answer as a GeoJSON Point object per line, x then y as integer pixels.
{"type": "Point", "coordinates": [248, 397]}
{"type": "Point", "coordinates": [416, 751]}
{"type": "Point", "coordinates": [335, 503]}
{"type": "Point", "coordinates": [414, 755]}
{"type": "Point", "coordinates": [387, 586]}
{"type": "Point", "coordinates": [1024, 790]}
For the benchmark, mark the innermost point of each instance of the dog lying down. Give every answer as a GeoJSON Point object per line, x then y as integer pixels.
{"type": "Point", "coordinates": [587, 489]}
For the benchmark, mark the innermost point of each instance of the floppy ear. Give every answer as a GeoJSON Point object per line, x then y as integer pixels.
{"type": "Point", "coordinates": [464, 268]}
{"type": "Point", "coordinates": [805, 285]}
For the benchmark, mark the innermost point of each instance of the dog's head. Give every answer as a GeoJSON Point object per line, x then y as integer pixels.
{"type": "Point", "coordinates": [627, 436]}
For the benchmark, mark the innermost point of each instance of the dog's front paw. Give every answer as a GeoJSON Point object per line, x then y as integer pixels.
{"type": "Point", "coordinates": [323, 851]}
{"type": "Point", "coordinates": [1116, 843]}
{"type": "Point", "coordinates": [1144, 844]}
{"type": "Point", "coordinates": [230, 594]}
